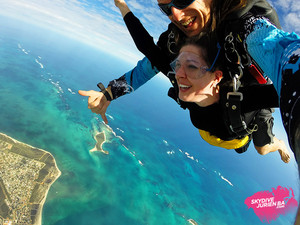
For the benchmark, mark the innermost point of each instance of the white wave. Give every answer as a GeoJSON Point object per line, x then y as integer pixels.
{"type": "Point", "coordinates": [223, 178]}
{"type": "Point", "coordinates": [120, 130]}
{"type": "Point", "coordinates": [113, 132]}
{"type": "Point", "coordinates": [23, 50]}
{"type": "Point", "coordinates": [70, 90]}
{"type": "Point", "coordinates": [134, 155]}
{"type": "Point", "coordinates": [227, 181]}
{"type": "Point", "coordinates": [107, 126]}
{"type": "Point", "coordinates": [170, 152]}
{"type": "Point", "coordinates": [39, 57]}
{"type": "Point", "coordinates": [41, 65]}
{"type": "Point", "coordinates": [125, 147]}
{"type": "Point", "coordinates": [191, 157]}
{"type": "Point", "coordinates": [56, 84]}
{"type": "Point", "coordinates": [165, 142]}
{"type": "Point", "coordinates": [122, 139]}
{"type": "Point", "coordinates": [110, 116]}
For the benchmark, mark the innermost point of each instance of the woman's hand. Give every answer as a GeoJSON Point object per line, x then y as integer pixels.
{"type": "Point", "coordinates": [121, 4]}
{"type": "Point", "coordinates": [97, 102]}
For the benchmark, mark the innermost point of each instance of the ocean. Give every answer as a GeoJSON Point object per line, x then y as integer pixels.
{"type": "Point", "coordinates": [158, 171]}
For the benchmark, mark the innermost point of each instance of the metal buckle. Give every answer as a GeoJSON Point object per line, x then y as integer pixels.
{"type": "Point", "coordinates": [235, 94]}
{"type": "Point", "coordinates": [243, 124]}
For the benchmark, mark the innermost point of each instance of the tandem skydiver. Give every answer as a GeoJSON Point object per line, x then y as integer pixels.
{"type": "Point", "coordinates": [211, 120]}
{"type": "Point", "coordinates": [192, 17]}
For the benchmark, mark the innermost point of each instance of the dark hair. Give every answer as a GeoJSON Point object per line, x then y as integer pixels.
{"type": "Point", "coordinates": [220, 9]}
{"type": "Point", "coordinates": [208, 42]}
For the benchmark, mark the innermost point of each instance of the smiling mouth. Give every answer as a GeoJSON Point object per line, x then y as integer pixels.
{"type": "Point", "coordinates": [183, 87]}
{"type": "Point", "coordinates": [189, 22]}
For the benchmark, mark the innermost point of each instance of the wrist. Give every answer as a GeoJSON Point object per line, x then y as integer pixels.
{"type": "Point", "coordinates": [106, 91]}
{"type": "Point", "coordinates": [124, 9]}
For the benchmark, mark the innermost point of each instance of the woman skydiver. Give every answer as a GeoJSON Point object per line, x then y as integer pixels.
{"type": "Point", "coordinates": [202, 82]}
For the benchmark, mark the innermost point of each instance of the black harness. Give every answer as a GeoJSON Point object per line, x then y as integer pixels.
{"type": "Point", "coordinates": [237, 61]}
{"type": "Point", "coordinates": [242, 70]}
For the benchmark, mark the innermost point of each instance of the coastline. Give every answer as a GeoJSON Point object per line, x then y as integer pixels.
{"type": "Point", "coordinates": [100, 140]}
{"type": "Point", "coordinates": [32, 182]}
{"type": "Point", "coordinates": [39, 216]}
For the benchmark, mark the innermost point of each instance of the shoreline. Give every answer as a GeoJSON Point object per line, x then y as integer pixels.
{"type": "Point", "coordinates": [100, 140]}
{"type": "Point", "coordinates": [39, 172]}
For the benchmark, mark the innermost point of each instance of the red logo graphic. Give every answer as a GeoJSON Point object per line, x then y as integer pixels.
{"type": "Point", "coordinates": [269, 206]}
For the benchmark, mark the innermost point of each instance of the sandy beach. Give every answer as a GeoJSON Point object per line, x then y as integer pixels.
{"type": "Point", "coordinates": [100, 140]}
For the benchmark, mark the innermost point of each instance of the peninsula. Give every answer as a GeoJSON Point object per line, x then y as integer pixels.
{"type": "Point", "coordinates": [100, 139]}
{"type": "Point", "coordinates": [26, 175]}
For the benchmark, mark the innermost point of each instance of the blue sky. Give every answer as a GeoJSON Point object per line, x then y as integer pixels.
{"type": "Point", "coordinates": [96, 22]}
{"type": "Point", "coordinates": [99, 23]}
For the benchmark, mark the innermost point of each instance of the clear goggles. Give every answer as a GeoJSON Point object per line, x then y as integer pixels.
{"type": "Point", "coordinates": [191, 64]}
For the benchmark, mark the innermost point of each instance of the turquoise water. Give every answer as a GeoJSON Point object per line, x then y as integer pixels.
{"type": "Point", "coordinates": [158, 170]}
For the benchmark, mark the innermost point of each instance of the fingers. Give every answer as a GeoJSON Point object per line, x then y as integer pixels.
{"type": "Point", "coordinates": [104, 118]}
{"type": "Point", "coordinates": [94, 97]}
{"type": "Point", "coordinates": [97, 102]}
{"type": "Point", "coordinates": [99, 106]}
{"type": "Point", "coordinates": [94, 101]}
{"type": "Point", "coordinates": [102, 113]}
{"type": "Point", "coordinates": [84, 93]}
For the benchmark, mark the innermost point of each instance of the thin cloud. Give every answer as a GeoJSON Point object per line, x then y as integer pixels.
{"type": "Point", "coordinates": [96, 26]}
{"type": "Point", "coordinates": [135, 5]}
{"type": "Point", "coordinates": [99, 23]}
{"type": "Point", "coordinates": [288, 12]}
{"type": "Point", "coordinates": [292, 22]}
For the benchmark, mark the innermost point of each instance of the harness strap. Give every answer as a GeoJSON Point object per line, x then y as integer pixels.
{"type": "Point", "coordinates": [234, 53]}
{"type": "Point", "coordinates": [233, 105]}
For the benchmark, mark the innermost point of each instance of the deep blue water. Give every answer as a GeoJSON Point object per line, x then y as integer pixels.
{"type": "Point", "coordinates": [158, 171]}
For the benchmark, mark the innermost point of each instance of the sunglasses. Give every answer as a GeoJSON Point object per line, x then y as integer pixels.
{"type": "Point", "coordinates": [178, 4]}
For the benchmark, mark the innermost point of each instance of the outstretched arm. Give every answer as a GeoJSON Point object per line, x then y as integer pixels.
{"type": "Point", "coordinates": [127, 83]}
{"type": "Point", "coordinates": [121, 4]}
{"type": "Point", "coordinates": [143, 40]}
{"type": "Point", "coordinates": [146, 45]}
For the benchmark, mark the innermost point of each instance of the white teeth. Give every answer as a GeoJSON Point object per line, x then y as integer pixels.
{"type": "Point", "coordinates": [187, 22]}
{"type": "Point", "coordinates": [183, 86]}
